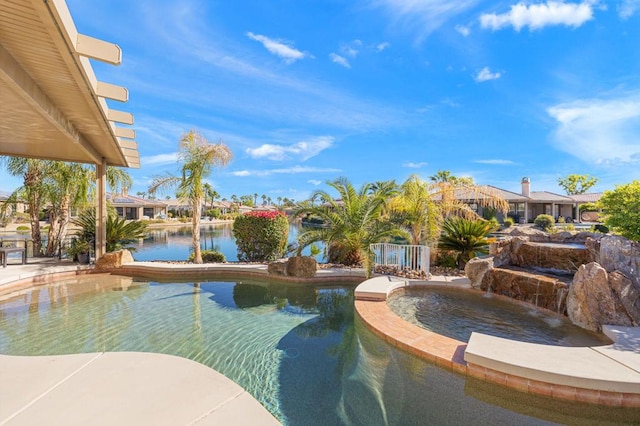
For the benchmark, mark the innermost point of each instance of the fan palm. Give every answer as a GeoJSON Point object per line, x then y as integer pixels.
{"type": "Point", "coordinates": [198, 157]}
{"type": "Point", "coordinates": [466, 237]}
{"type": "Point", "coordinates": [353, 221]}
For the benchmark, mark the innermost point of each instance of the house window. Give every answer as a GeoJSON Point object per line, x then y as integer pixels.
{"type": "Point", "coordinates": [516, 211]}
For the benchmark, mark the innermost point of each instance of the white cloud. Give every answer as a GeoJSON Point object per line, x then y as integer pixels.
{"type": "Point", "coordinates": [302, 150]}
{"type": "Point", "coordinates": [290, 171]}
{"type": "Point", "coordinates": [537, 16]}
{"type": "Point", "coordinates": [278, 48]}
{"type": "Point", "coordinates": [600, 131]}
{"type": "Point", "coordinates": [412, 165]}
{"type": "Point", "coordinates": [351, 49]}
{"type": "Point", "coordinates": [464, 30]}
{"type": "Point", "coordinates": [382, 46]}
{"type": "Point", "coordinates": [340, 60]}
{"type": "Point", "coordinates": [159, 159]}
{"type": "Point", "coordinates": [496, 162]}
{"type": "Point", "coordinates": [423, 16]}
{"type": "Point", "coordinates": [485, 74]}
{"type": "Point", "coordinates": [314, 182]}
{"type": "Point", "coordinates": [628, 8]}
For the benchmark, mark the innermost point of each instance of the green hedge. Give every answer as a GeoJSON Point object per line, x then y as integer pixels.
{"type": "Point", "coordinates": [544, 222]}
{"type": "Point", "coordinates": [261, 236]}
{"type": "Point", "coordinates": [210, 256]}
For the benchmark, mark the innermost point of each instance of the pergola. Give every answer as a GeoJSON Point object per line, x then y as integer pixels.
{"type": "Point", "coordinates": [52, 106]}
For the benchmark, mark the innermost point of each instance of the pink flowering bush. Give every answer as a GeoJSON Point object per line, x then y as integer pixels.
{"type": "Point", "coordinates": [261, 236]}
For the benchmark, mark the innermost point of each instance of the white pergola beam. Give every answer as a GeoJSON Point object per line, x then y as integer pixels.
{"type": "Point", "coordinates": [120, 116]}
{"type": "Point", "coordinates": [123, 132]}
{"type": "Point", "coordinates": [98, 49]}
{"type": "Point", "coordinates": [128, 144]}
{"type": "Point", "coordinates": [111, 91]}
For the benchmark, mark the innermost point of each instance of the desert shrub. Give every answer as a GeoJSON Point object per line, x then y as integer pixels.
{"type": "Point", "coordinates": [544, 222]}
{"type": "Point", "coordinates": [508, 222]}
{"type": "Point", "coordinates": [447, 259]}
{"type": "Point", "coordinates": [23, 228]}
{"type": "Point", "coordinates": [183, 219]}
{"type": "Point", "coordinates": [210, 256]}
{"type": "Point", "coordinates": [561, 219]}
{"type": "Point", "coordinates": [214, 213]}
{"type": "Point", "coordinates": [261, 236]}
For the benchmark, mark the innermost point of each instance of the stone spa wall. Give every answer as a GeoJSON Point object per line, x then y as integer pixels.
{"type": "Point", "coordinates": [592, 278]}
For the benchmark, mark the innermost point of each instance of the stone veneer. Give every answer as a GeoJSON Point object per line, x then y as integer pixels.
{"type": "Point", "coordinates": [449, 353]}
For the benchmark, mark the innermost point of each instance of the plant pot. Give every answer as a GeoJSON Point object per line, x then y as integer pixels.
{"type": "Point", "coordinates": [83, 258]}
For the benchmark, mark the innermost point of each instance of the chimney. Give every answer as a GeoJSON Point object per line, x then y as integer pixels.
{"type": "Point", "coordinates": [525, 186]}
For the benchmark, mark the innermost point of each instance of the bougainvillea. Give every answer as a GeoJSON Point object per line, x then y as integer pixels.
{"type": "Point", "coordinates": [261, 236]}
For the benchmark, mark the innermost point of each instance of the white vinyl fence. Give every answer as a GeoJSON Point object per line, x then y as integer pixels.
{"type": "Point", "coordinates": [403, 257]}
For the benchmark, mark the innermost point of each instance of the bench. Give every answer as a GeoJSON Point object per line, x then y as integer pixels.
{"type": "Point", "coordinates": [4, 251]}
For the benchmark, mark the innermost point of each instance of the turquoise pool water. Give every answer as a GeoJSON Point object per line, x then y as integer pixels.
{"type": "Point", "coordinates": [297, 349]}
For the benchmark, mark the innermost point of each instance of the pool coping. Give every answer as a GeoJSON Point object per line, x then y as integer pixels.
{"type": "Point", "coordinates": [539, 369]}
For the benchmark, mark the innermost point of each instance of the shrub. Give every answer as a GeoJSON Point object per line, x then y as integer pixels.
{"type": "Point", "coordinates": [183, 219]}
{"type": "Point", "coordinates": [261, 236]}
{"type": "Point", "coordinates": [622, 209]}
{"type": "Point", "coordinates": [544, 222]}
{"type": "Point", "coordinates": [214, 213]}
{"type": "Point", "coordinates": [23, 228]}
{"type": "Point", "coordinates": [210, 256]}
{"type": "Point", "coordinates": [600, 228]}
{"type": "Point", "coordinates": [467, 238]}
{"type": "Point", "coordinates": [508, 222]}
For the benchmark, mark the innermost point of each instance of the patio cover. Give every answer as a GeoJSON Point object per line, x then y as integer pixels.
{"type": "Point", "coordinates": [52, 106]}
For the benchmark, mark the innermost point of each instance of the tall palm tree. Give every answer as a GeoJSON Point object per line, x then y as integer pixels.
{"type": "Point", "coordinates": [118, 179]}
{"type": "Point", "coordinates": [33, 171]}
{"type": "Point", "coordinates": [198, 156]}
{"type": "Point", "coordinates": [67, 185]}
{"type": "Point", "coordinates": [354, 221]}
{"type": "Point", "coordinates": [415, 209]}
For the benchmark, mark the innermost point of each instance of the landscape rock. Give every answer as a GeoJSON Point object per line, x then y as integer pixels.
{"type": "Point", "coordinates": [114, 259]}
{"type": "Point", "coordinates": [301, 266]}
{"type": "Point", "coordinates": [620, 254]}
{"type": "Point", "coordinates": [278, 267]}
{"type": "Point", "coordinates": [592, 302]}
{"type": "Point", "coordinates": [476, 268]}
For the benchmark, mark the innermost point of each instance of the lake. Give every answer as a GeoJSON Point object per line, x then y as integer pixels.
{"type": "Point", "coordinates": [175, 242]}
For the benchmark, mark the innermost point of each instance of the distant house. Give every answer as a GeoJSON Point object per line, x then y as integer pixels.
{"type": "Point", "coordinates": [527, 205]}
{"type": "Point", "coordinates": [18, 207]}
{"type": "Point", "coordinates": [136, 208]}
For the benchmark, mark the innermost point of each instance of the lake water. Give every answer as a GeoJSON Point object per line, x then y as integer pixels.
{"type": "Point", "coordinates": [175, 242]}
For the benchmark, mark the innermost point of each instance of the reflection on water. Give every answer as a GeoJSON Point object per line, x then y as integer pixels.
{"type": "Point", "coordinates": [297, 349]}
{"type": "Point", "coordinates": [175, 243]}
{"type": "Point", "coordinates": [456, 313]}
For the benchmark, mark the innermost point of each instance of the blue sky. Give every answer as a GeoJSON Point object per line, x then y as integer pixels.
{"type": "Point", "coordinates": [303, 92]}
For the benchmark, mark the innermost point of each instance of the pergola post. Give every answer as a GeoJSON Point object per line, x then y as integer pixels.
{"type": "Point", "coordinates": [101, 209]}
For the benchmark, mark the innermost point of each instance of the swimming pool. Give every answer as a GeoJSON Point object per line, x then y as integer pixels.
{"type": "Point", "coordinates": [296, 348]}
{"type": "Point", "coordinates": [456, 313]}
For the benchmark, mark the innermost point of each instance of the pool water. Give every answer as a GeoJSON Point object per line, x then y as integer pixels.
{"type": "Point", "coordinates": [297, 349]}
{"type": "Point", "coordinates": [456, 313]}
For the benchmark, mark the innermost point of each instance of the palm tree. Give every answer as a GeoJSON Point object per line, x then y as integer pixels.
{"type": "Point", "coordinates": [33, 171]}
{"type": "Point", "coordinates": [279, 201]}
{"type": "Point", "coordinates": [255, 198]}
{"type": "Point", "coordinates": [354, 221]}
{"type": "Point", "coordinates": [415, 209]}
{"type": "Point", "coordinates": [466, 237]}
{"type": "Point", "coordinates": [198, 157]}
{"type": "Point", "coordinates": [264, 199]}
{"type": "Point", "coordinates": [118, 179]}
{"type": "Point", "coordinates": [67, 185]}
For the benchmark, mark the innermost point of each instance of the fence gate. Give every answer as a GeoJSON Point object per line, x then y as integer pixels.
{"type": "Point", "coordinates": [403, 257]}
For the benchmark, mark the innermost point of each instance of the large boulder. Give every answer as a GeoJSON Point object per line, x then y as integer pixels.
{"type": "Point", "coordinates": [296, 266]}
{"type": "Point", "coordinates": [620, 254]}
{"type": "Point", "coordinates": [592, 302]}
{"type": "Point", "coordinates": [302, 266]}
{"type": "Point", "coordinates": [476, 268]}
{"type": "Point", "coordinates": [114, 259]}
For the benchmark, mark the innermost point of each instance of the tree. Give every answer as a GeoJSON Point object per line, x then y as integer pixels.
{"type": "Point", "coordinates": [354, 221]}
{"type": "Point", "coordinates": [575, 184]}
{"type": "Point", "coordinates": [66, 185]}
{"type": "Point", "coordinates": [33, 171]}
{"type": "Point", "coordinates": [621, 208]}
{"type": "Point", "coordinates": [415, 208]}
{"type": "Point", "coordinates": [264, 199]}
{"type": "Point", "coordinates": [141, 194]}
{"type": "Point", "coordinates": [466, 237]}
{"type": "Point", "coordinates": [118, 179]}
{"type": "Point", "coordinates": [197, 157]}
